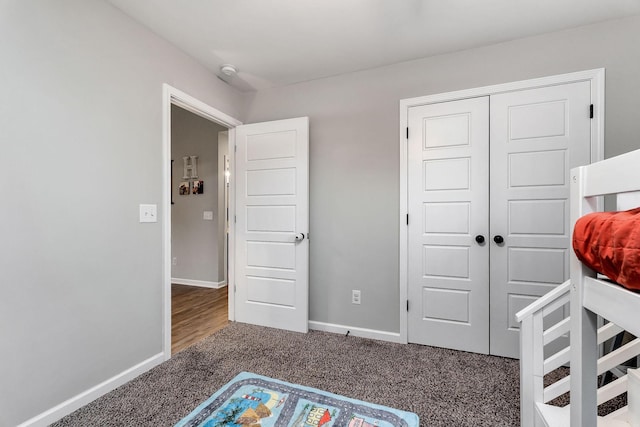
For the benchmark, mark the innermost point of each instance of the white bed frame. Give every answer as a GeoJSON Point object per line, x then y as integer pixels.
{"type": "Point", "coordinates": [590, 299]}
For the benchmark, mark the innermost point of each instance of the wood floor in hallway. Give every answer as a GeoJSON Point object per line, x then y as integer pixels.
{"type": "Point", "coordinates": [196, 313]}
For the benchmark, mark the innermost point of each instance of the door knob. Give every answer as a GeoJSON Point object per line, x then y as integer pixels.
{"type": "Point", "coordinates": [480, 239]}
{"type": "Point", "coordinates": [498, 239]}
{"type": "Point", "coordinates": [299, 237]}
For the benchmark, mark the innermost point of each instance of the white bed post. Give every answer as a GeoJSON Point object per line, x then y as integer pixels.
{"type": "Point", "coordinates": [527, 402]}
{"type": "Point", "coordinates": [531, 368]}
{"type": "Point", "coordinates": [584, 328]}
{"type": "Point", "coordinates": [526, 375]}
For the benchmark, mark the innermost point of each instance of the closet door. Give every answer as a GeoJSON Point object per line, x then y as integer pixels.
{"type": "Point", "coordinates": [448, 208]}
{"type": "Point", "coordinates": [536, 136]}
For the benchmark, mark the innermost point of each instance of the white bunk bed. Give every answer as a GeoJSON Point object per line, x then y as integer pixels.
{"type": "Point", "coordinates": [590, 299]}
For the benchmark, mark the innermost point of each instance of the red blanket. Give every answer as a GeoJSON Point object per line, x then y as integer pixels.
{"type": "Point", "coordinates": [609, 243]}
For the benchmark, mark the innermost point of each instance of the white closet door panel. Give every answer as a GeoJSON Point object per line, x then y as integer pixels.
{"type": "Point", "coordinates": [448, 206]}
{"type": "Point", "coordinates": [537, 136]}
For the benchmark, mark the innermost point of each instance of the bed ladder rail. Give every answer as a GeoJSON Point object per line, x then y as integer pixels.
{"type": "Point", "coordinates": [535, 334]}
{"type": "Point", "coordinates": [533, 339]}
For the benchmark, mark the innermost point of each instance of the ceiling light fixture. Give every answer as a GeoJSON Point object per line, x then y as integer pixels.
{"type": "Point", "coordinates": [228, 70]}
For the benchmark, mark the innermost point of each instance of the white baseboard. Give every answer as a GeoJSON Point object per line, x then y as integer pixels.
{"type": "Point", "coordinates": [201, 283]}
{"type": "Point", "coordinates": [356, 332]}
{"type": "Point", "coordinates": [68, 406]}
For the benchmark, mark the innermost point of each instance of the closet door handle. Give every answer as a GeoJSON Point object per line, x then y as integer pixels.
{"type": "Point", "coordinates": [299, 237]}
{"type": "Point", "coordinates": [480, 239]}
{"type": "Point", "coordinates": [498, 239]}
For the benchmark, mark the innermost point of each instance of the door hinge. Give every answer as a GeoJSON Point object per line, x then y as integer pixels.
{"type": "Point", "coordinates": [591, 111]}
{"type": "Point", "coordinates": [235, 219]}
{"type": "Point", "coordinates": [407, 219]}
{"type": "Point", "coordinates": [235, 148]}
{"type": "Point", "coordinates": [407, 305]}
{"type": "Point", "coordinates": [407, 132]}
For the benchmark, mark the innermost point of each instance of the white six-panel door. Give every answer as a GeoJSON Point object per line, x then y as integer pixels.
{"type": "Point", "coordinates": [448, 184]}
{"type": "Point", "coordinates": [272, 223]}
{"type": "Point", "coordinates": [537, 136]}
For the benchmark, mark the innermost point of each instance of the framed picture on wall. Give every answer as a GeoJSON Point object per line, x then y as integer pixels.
{"type": "Point", "coordinates": [198, 187]}
{"type": "Point", "coordinates": [184, 188]}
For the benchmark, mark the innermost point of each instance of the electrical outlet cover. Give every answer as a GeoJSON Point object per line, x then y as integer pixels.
{"type": "Point", "coordinates": [355, 297]}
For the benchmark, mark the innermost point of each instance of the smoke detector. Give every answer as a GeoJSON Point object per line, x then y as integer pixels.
{"type": "Point", "coordinates": [228, 70]}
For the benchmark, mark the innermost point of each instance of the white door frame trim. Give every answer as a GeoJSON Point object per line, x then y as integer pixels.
{"type": "Point", "coordinates": [597, 79]}
{"type": "Point", "coordinates": [171, 95]}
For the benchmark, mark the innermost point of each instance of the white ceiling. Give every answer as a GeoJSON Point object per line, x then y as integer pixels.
{"type": "Point", "coordinates": [280, 42]}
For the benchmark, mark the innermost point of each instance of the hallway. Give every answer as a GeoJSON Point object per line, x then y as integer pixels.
{"type": "Point", "coordinates": [196, 313]}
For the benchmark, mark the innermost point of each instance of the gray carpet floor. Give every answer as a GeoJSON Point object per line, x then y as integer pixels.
{"type": "Point", "coordinates": [444, 387]}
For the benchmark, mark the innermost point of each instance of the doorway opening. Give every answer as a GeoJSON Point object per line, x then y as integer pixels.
{"type": "Point", "coordinates": [199, 148]}
{"type": "Point", "coordinates": [197, 205]}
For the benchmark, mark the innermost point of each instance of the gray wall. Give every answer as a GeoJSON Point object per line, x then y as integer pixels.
{"type": "Point", "coordinates": [81, 147]}
{"type": "Point", "coordinates": [196, 244]}
{"type": "Point", "coordinates": [354, 149]}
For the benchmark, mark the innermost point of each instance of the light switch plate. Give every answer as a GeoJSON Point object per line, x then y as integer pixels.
{"type": "Point", "coordinates": [148, 213]}
{"type": "Point", "coordinates": [208, 215]}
